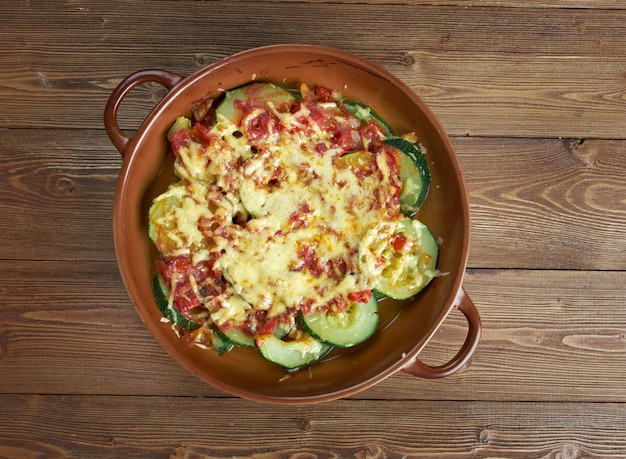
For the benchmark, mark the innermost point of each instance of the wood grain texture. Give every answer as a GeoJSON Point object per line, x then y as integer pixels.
{"type": "Point", "coordinates": [548, 335]}
{"type": "Point", "coordinates": [57, 192]}
{"type": "Point", "coordinates": [525, 195]}
{"type": "Point", "coordinates": [533, 95]}
{"type": "Point", "coordinates": [546, 204]}
{"type": "Point", "coordinates": [591, 4]}
{"type": "Point", "coordinates": [144, 427]}
{"type": "Point", "coordinates": [510, 72]}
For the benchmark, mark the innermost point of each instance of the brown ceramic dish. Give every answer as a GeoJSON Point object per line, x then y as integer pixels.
{"type": "Point", "coordinates": [404, 329]}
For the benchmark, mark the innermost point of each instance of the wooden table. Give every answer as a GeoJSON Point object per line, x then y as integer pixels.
{"type": "Point", "coordinates": [533, 96]}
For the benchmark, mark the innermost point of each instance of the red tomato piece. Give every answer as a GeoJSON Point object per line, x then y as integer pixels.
{"type": "Point", "coordinates": [360, 297]}
{"type": "Point", "coordinates": [398, 242]}
{"type": "Point", "coordinates": [180, 140]}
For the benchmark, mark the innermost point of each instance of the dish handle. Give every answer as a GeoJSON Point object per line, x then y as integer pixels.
{"type": "Point", "coordinates": [462, 358]}
{"type": "Point", "coordinates": [117, 136]}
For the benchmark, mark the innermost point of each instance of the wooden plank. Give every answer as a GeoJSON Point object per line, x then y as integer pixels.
{"type": "Point", "coordinates": [532, 93]}
{"type": "Point", "coordinates": [591, 4]}
{"type": "Point", "coordinates": [548, 335]}
{"type": "Point", "coordinates": [544, 204]}
{"type": "Point", "coordinates": [99, 427]}
{"type": "Point", "coordinates": [539, 96]}
{"type": "Point", "coordinates": [434, 28]}
{"type": "Point", "coordinates": [569, 84]}
{"type": "Point", "coordinates": [57, 193]}
{"type": "Point", "coordinates": [65, 324]}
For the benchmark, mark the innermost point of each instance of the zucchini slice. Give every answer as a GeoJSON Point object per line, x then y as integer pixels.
{"type": "Point", "coordinates": [400, 257]}
{"type": "Point", "coordinates": [237, 337]}
{"type": "Point", "coordinates": [357, 160]}
{"type": "Point", "coordinates": [221, 345]}
{"type": "Point", "coordinates": [346, 328]}
{"type": "Point", "coordinates": [208, 334]}
{"type": "Point", "coordinates": [177, 218]}
{"type": "Point", "coordinates": [159, 216]}
{"type": "Point", "coordinates": [292, 354]}
{"type": "Point", "coordinates": [365, 113]}
{"type": "Point", "coordinates": [254, 94]}
{"type": "Point", "coordinates": [182, 122]}
{"type": "Point", "coordinates": [414, 173]}
{"type": "Point", "coordinates": [162, 297]}
{"type": "Point", "coordinates": [172, 210]}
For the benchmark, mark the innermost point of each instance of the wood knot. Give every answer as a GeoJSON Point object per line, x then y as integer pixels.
{"type": "Point", "coordinates": [484, 435]}
{"type": "Point", "coordinates": [569, 452]}
{"type": "Point", "coordinates": [43, 80]}
{"type": "Point", "coordinates": [305, 424]}
{"type": "Point", "coordinates": [65, 186]}
{"type": "Point", "coordinates": [408, 60]}
{"type": "Point", "coordinates": [203, 60]}
{"type": "Point", "coordinates": [370, 451]}
{"type": "Point", "coordinates": [587, 153]}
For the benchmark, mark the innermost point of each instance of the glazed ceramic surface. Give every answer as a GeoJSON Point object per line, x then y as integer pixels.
{"type": "Point", "coordinates": [405, 327]}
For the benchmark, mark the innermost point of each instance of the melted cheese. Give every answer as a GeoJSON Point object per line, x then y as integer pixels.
{"type": "Point", "coordinates": [264, 268]}
{"type": "Point", "coordinates": [183, 220]}
{"type": "Point", "coordinates": [308, 211]}
{"type": "Point", "coordinates": [229, 307]}
{"type": "Point", "coordinates": [264, 262]}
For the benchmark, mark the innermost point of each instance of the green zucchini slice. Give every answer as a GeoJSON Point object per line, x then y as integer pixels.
{"type": "Point", "coordinates": [255, 94]}
{"type": "Point", "coordinates": [365, 113]}
{"type": "Point", "coordinates": [176, 208]}
{"type": "Point", "coordinates": [175, 218]}
{"type": "Point", "coordinates": [220, 342]}
{"type": "Point", "coordinates": [414, 173]}
{"type": "Point", "coordinates": [236, 337]}
{"type": "Point", "coordinates": [346, 328]}
{"type": "Point", "coordinates": [356, 160]}
{"type": "Point", "coordinates": [182, 122]}
{"type": "Point", "coordinates": [292, 354]}
{"type": "Point", "coordinates": [400, 257]}
{"type": "Point", "coordinates": [162, 297]}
